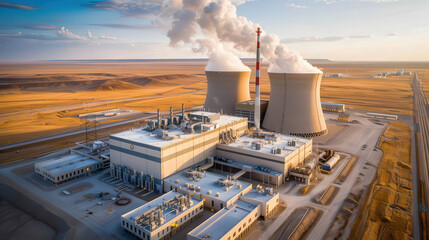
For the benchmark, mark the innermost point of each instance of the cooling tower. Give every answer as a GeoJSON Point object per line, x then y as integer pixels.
{"type": "Point", "coordinates": [295, 106]}
{"type": "Point", "coordinates": [225, 89]}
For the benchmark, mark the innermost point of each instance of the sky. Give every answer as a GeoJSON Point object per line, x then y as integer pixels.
{"type": "Point", "coordinates": [344, 30]}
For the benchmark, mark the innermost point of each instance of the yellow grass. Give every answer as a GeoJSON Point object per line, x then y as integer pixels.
{"type": "Point", "coordinates": [39, 99]}
{"type": "Point", "coordinates": [386, 211]}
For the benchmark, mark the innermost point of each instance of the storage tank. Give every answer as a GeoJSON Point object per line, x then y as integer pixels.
{"type": "Point", "coordinates": [295, 106]}
{"type": "Point", "coordinates": [225, 89]}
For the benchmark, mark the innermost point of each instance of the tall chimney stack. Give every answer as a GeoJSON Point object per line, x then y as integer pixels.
{"type": "Point", "coordinates": [257, 89]}
{"type": "Point", "coordinates": [171, 115]}
{"type": "Point", "coordinates": [183, 112]}
{"type": "Point", "coordinates": [158, 116]}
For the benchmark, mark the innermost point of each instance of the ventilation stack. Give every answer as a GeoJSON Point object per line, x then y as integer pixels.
{"type": "Point", "coordinates": [225, 89]}
{"type": "Point", "coordinates": [295, 106]}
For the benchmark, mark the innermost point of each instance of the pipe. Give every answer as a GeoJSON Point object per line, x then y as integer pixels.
{"type": "Point", "coordinates": [257, 89]}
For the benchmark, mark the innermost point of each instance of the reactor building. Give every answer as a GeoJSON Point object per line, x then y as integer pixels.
{"type": "Point", "coordinates": [225, 89]}
{"type": "Point", "coordinates": [295, 106]}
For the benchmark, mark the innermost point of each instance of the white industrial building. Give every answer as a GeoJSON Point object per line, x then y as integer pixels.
{"type": "Point", "coordinates": [234, 221]}
{"type": "Point", "coordinates": [268, 157]}
{"type": "Point", "coordinates": [83, 160]}
{"type": "Point", "coordinates": [162, 217]}
{"type": "Point", "coordinates": [333, 107]}
{"type": "Point", "coordinates": [67, 168]}
{"type": "Point", "coordinates": [145, 157]}
{"type": "Point", "coordinates": [216, 190]}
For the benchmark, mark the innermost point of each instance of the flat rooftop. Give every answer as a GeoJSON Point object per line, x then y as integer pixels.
{"type": "Point", "coordinates": [147, 137]}
{"type": "Point", "coordinates": [209, 182]}
{"type": "Point", "coordinates": [245, 142]}
{"type": "Point", "coordinates": [260, 197]}
{"type": "Point", "coordinates": [223, 221]}
{"type": "Point", "coordinates": [67, 163]}
{"type": "Point", "coordinates": [254, 168]}
{"type": "Point", "coordinates": [168, 213]}
{"type": "Point", "coordinates": [335, 104]}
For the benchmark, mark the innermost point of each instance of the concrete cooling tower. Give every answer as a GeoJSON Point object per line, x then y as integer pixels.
{"type": "Point", "coordinates": [295, 106]}
{"type": "Point", "coordinates": [225, 89]}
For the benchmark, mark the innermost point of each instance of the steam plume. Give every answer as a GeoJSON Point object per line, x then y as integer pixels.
{"type": "Point", "coordinates": [199, 22]}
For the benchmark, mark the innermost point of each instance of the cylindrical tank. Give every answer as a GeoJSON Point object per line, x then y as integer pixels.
{"type": "Point", "coordinates": [225, 89]}
{"type": "Point", "coordinates": [295, 106]}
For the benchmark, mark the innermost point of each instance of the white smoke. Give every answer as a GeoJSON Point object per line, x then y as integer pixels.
{"type": "Point", "coordinates": [198, 22]}
{"type": "Point", "coordinates": [222, 60]}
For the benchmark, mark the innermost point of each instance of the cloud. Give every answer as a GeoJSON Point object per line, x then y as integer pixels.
{"type": "Point", "coordinates": [323, 39]}
{"type": "Point", "coordinates": [296, 6]}
{"type": "Point", "coordinates": [125, 26]}
{"type": "Point", "coordinates": [143, 8]}
{"type": "Point", "coordinates": [39, 26]}
{"type": "Point", "coordinates": [64, 33]}
{"type": "Point", "coordinates": [16, 6]}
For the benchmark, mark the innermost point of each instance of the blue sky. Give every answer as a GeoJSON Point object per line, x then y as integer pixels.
{"type": "Point", "coordinates": [379, 30]}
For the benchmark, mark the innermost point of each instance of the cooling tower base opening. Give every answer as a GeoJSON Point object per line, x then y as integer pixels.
{"type": "Point", "coordinates": [311, 135]}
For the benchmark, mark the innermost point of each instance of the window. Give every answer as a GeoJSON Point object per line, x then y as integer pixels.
{"type": "Point", "coordinates": [244, 225]}
{"type": "Point", "coordinates": [171, 187]}
{"type": "Point", "coordinates": [239, 229]}
{"type": "Point", "coordinates": [162, 231]}
{"type": "Point", "coordinates": [277, 200]}
{"type": "Point", "coordinates": [144, 235]}
{"type": "Point", "coordinates": [140, 232]}
{"type": "Point", "coordinates": [250, 220]}
{"type": "Point", "coordinates": [127, 225]}
{"type": "Point", "coordinates": [233, 235]}
{"type": "Point", "coordinates": [221, 205]}
{"type": "Point", "coordinates": [123, 223]}
{"type": "Point", "coordinates": [189, 214]}
{"type": "Point", "coordinates": [212, 203]}
{"type": "Point", "coordinates": [256, 214]}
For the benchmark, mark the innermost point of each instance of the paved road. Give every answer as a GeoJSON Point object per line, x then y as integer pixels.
{"type": "Point", "coordinates": [79, 131]}
{"type": "Point", "coordinates": [420, 108]}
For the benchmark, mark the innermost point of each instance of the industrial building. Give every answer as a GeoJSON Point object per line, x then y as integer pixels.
{"type": "Point", "coordinates": [333, 107]}
{"type": "Point", "coordinates": [267, 157]}
{"type": "Point", "coordinates": [225, 89]}
{"type": "Point", "coordinates": [294, 106]}
{"type": "Point", "coordinates": [162, 217]}
{"type": "Point", "coordinates": [82, 161]}
{"type": "Point", "coordinates": [216, 190]}
{"type": "Point", "coordinates": [146, 156]}
{"type": "Point", "coordinates": [344, 117]}
{"type": "Point", "coordinates": [234, 221]}
{"type": "Point", "coordinates": [247, 109]}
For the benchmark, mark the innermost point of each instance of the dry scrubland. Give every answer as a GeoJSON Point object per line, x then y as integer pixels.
{"type": "Point", "coordinates": [40, 99]}
{"type": "Point", "coordinates": [386, 211]}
